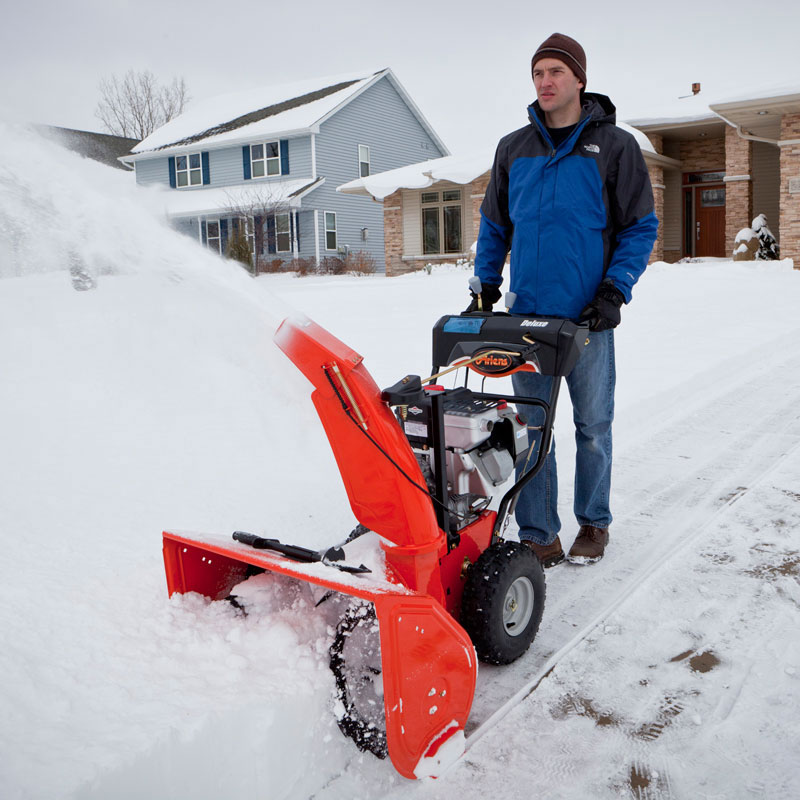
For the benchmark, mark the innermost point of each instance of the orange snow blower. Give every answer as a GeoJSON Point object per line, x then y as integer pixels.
{"type": "Point", "coordinates": [420, 464]}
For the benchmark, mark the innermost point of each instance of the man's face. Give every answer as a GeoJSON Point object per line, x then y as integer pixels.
{"type": "Point", "coordinates": [556, 84]}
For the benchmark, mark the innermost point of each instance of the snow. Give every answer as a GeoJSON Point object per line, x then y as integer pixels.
{"type": "Point", "coordinates": [206, 114]}
{"type": "Point", "coordinates": [157, 400]}
{"type": "Point", "coordinates": [193, 202]}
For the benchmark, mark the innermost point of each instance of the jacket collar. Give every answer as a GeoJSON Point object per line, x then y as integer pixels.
{"type": "Point", "coordinates": [594, 107]}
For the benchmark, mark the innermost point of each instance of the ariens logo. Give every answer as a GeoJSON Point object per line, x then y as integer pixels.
{"type": "Point", "coordinates": [494, 361]}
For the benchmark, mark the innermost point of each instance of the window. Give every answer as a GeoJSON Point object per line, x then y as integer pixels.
{"type": "Point", "coordinates": [441, 222]}
{"type": "Point", "coordinates": [188, 170]}
{"type": "Point", "coordinates": [363, 161]}
{"type": "Point", "coordinates": [214, 237]}
{"type": "Point", "coordinates": [283, 235]}
{"type": "Point", "coordinates": [330, 230]}
{"type": "Point", "coordinates": [265, 159]}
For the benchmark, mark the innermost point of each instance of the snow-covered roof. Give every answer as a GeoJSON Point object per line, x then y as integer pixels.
{"type": "Point", "coordinates": [267, 111]}
{"type": "Point", "coordinates": [700, 107]}
{"type": "Point", "coordinates": [196, 202]}
{"type": "Point", "coordinates": [460, 169]}
{"type": "Point", "coordinates": [457, 169]}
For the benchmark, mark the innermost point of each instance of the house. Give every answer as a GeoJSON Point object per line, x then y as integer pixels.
{"type": "Point", "coordinates": [728, 161]}
{"type": "Point", "coordinates": [268, 161]}
{"type": "Point", "coordinates": [432, 209]}
{"type": "Point", "coordinates": [102, 147]}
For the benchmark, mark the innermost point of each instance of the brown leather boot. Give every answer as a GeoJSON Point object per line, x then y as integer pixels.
{"type": "Point", "coordinates": [548, 554]}
{"type": "Point", "coordinates": [589, 546]}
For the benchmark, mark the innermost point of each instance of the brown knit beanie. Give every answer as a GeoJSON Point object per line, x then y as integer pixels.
{"type": "Point", "coordinates": [564, 49]}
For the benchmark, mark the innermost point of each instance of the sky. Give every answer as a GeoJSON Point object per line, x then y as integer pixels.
{"type": "Point", "coordinates": [465, 64]}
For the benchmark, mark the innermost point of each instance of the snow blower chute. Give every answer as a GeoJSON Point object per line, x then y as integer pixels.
{"type": "Point", "coordinates": [420, 464]}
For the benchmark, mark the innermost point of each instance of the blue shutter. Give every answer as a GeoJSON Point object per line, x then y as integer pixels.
{"type": "Point", "coordinates": [203, 231]}
{"type": "Point", "coordinates": [172, 180]}
{"type": "Point", "coordinates": [284, 157]}
{"type": "Point", "coordinates": [206, 170]}
{"type": "Point", "coordinates": [223, 234]}
{"type": "Point", "coordinates": [271, 234]}
{"type": "Point", "coordinates": [246, 161]}
{"type": "Point", "coordinates": [258, 232]}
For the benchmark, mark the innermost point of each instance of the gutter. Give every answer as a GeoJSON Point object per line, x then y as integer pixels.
{"type": "Point", "coordinates": [751, 137]}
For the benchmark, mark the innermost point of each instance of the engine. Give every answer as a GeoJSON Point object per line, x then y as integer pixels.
{"type": "Point", "coordinates": [484, 440]}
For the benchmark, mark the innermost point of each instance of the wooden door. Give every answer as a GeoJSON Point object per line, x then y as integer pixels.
{"type": "Point", "coordinates": [709, 221]}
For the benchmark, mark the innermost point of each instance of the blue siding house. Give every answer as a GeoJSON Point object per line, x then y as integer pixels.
{"type": "Point", "coordinates": [268, 161]}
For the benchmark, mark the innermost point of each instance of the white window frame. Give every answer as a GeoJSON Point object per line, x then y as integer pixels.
{"type": "Point", "coordinates": [287, 232]}
{"type": "Point", "coordinates": [362, 161]}
{"type": "Point", "coordinates": [218, 237]}
{"type": "Point", "coordinates": [265, 160]}
{"type": "Point", "coordinates": [332, 230]}
{"type": "Point", "coordinates": [189, 171]}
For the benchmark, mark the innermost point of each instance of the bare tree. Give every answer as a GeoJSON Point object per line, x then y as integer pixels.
{"type": "Point", "coordinates": [136, 104]}
{"type": "Point", "coordinates": [252, 208]}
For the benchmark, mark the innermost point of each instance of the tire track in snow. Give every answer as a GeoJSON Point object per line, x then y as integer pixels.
{"type": "Point", "coordinates": [723, 477]}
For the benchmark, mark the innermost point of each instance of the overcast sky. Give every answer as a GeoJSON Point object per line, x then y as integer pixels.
{"type": "Point", "coordinates": [466, 64]}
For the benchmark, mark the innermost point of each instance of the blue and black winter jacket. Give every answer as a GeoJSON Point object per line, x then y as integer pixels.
{"type": "Point", "coordinates": [571, 215]}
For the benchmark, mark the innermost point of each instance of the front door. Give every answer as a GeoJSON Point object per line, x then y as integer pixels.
{"type": "Point", "coordinates": [709, 221]}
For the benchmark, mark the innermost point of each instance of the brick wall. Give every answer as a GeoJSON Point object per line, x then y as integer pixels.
{"type": "Point", "coordinates": [657, 182]}
{"type": "Point", "coordinates": [790, 202]}
{"type": "Point", "coordinates": [703, 155]}
{"type": "Point", "coordinates": [393, 234]}
{"type": "Point", "coordinates": [738, 193]}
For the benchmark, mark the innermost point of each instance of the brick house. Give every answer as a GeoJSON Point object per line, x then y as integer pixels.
{"type": "Point", "coordinates": [432, 209]}
{"type": "Point", "coordinates": [728, 162]}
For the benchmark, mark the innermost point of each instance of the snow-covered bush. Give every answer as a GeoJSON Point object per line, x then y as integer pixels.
{"type": "Point", "coordinates": [756, 242]}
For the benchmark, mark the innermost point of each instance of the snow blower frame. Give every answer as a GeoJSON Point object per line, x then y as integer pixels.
{"type": "Point", "coordinates": [418, 462]}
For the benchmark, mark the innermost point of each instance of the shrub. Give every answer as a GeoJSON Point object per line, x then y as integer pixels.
{"type": "Point", "coordinates": [303, 267]}
{"type": "Point", "coordinates": [273, 265]}
{"type": "Point", "coordinates": [238, 249]}
{"type": "Point", "coordinates": [360, 262]}
{"type": "Point", "coordinates": [330, 265]}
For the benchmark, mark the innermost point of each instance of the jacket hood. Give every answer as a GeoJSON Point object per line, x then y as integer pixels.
{"type": "Point", "coordinates": [595, 106]}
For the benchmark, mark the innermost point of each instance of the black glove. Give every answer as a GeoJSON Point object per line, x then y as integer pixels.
{"type": "Point", "coordinates": [603, 312]}
{"type": "Point", "coordinates": [489, 296]}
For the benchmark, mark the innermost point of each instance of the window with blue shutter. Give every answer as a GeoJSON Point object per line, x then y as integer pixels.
{"type": "Point", "coordinates": [271, 234]}
{"type": "Point", "coordinates": [246, 162]}
{"type": "Point", "coordinates": [284, 157]}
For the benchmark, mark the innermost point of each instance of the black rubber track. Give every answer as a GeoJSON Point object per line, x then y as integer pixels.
{"type": "Point", "coordinates": [488, 582]}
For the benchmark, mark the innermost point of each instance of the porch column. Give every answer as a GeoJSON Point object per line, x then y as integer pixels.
{"type": "Point", "coordinates": [790, 189]}
{"type": "Point", "coordinates": [295, 252]}
{"type": "Point", "coordinates": [738, 186]}
{"type": "Point", "coordinates": [657, 182]}
{"type": "Point", "coordinates": [393, 233]}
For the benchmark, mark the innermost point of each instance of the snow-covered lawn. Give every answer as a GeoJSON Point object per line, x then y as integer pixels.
{"type": "Point", "coordinates": [157, 400]}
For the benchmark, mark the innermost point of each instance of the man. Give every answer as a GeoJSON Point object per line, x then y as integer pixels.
{"type": "Point", "coordinates": [570, 196]}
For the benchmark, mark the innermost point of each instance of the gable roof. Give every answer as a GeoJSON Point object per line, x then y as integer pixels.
{"type": "Point", "coordinates": [102, 147]}
{"type": "Point", "coordinates": [270, 111]}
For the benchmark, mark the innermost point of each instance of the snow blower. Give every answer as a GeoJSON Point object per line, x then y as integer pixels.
{"type": "Point", "coordinates": [421, 465]}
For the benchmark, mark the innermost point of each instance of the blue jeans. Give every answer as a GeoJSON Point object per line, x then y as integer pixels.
{"type": "Point", "coordinates": [591, 389]}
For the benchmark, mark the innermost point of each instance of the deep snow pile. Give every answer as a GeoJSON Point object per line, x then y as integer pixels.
{"type": "Point", "coordinates": [156, 400]}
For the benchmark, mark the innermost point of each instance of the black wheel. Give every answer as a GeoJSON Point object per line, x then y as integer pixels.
{"type": "Point", "coordinates": [503, 602]}
{"type": "Point", "coordinates": [355, 659]}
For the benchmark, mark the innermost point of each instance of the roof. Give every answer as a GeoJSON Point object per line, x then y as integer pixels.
{"type": "Point", "coordinates": [268, 112]}
{"type": "Point", "coordinates": [461, 169]}
{"type": "Point", "coordinates": [102, 147]}
{"type": "Point", "coordinates": [758, 109]}
{"type": "Point", "coordinates": [286, 194]}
